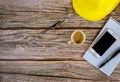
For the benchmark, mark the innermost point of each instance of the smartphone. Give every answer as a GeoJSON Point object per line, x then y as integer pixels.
{"type": "Point", "coordinates": [103, 43]}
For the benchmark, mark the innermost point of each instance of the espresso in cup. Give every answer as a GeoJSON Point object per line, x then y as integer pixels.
{"type": "Point", "coordinates": [78, 37]}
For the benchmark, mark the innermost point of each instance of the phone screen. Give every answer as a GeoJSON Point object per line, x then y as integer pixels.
{"type": "Point", "coordinates": [104, 43]}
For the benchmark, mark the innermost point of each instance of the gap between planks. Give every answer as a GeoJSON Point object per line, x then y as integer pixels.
{"type": "Point", "coordinates": [55, 59]}
{"type": "Point", "coordinates": [37, 78]}
{"type": "Point", "coordinates": [47, 28]}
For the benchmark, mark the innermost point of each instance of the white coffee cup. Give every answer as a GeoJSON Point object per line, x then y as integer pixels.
{"type": "Point", "coordinates": [78, 37]}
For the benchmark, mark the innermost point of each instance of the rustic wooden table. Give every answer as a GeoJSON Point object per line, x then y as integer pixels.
{"type": "Point", "coordinates": [32, 51]}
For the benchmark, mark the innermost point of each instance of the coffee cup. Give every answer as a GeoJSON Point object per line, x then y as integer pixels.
{"type": "Point", "coordinates": [78, 37]}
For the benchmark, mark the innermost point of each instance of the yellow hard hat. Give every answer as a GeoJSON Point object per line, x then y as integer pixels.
{"type": "Point", "coordinates": [94, 10]}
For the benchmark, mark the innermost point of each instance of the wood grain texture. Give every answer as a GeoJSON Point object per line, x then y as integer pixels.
{"type": "Point", "coordinates": [31, 52]}
{"type": "Point", "coordinates": [45, 13]}
{"type": "Point", "coordinates": [26, 78]}
{"type": "Point", "coordinates": [67, 69]}
{"type": "Point", "coordinates": [41, 45]}
{"type": "Point", "coordinates": [71, 69]}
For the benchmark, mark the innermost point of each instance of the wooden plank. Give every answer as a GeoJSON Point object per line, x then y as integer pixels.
{"type": "Point", "coordinates": [45, 13]}
{"type": "Point", "coordinates": [70, 69]}
{"type": "Point", "coordinates": [41, 45]}
{"type": "Point", "coordinates": [63, 69]}
{"type": "Point", "coordinates": [26, 78]}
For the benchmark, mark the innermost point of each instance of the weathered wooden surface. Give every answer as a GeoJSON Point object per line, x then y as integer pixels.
{"type": "Point", "coordinates": [44, 13]}
{"type": "Point", "coordinates": [26, 78]}
{"type": "Point", "coordinates": [30, 51]}
{"type": "Point", "coordinates": [67, 69]}
{"type": "Point", "coordinates": [35, 45]}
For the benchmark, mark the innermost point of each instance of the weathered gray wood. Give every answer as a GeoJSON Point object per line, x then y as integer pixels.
{"type": "Point", "coordinates": [72, 69]}
{"type": "Point", "coordinates": [41, 45]}
{"type": "Point", "coordinates": [26, 78]}
{"type": "Point", "coordinates": [28, 55]}
{"type": "Point", "coordinates": [44, 13]}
